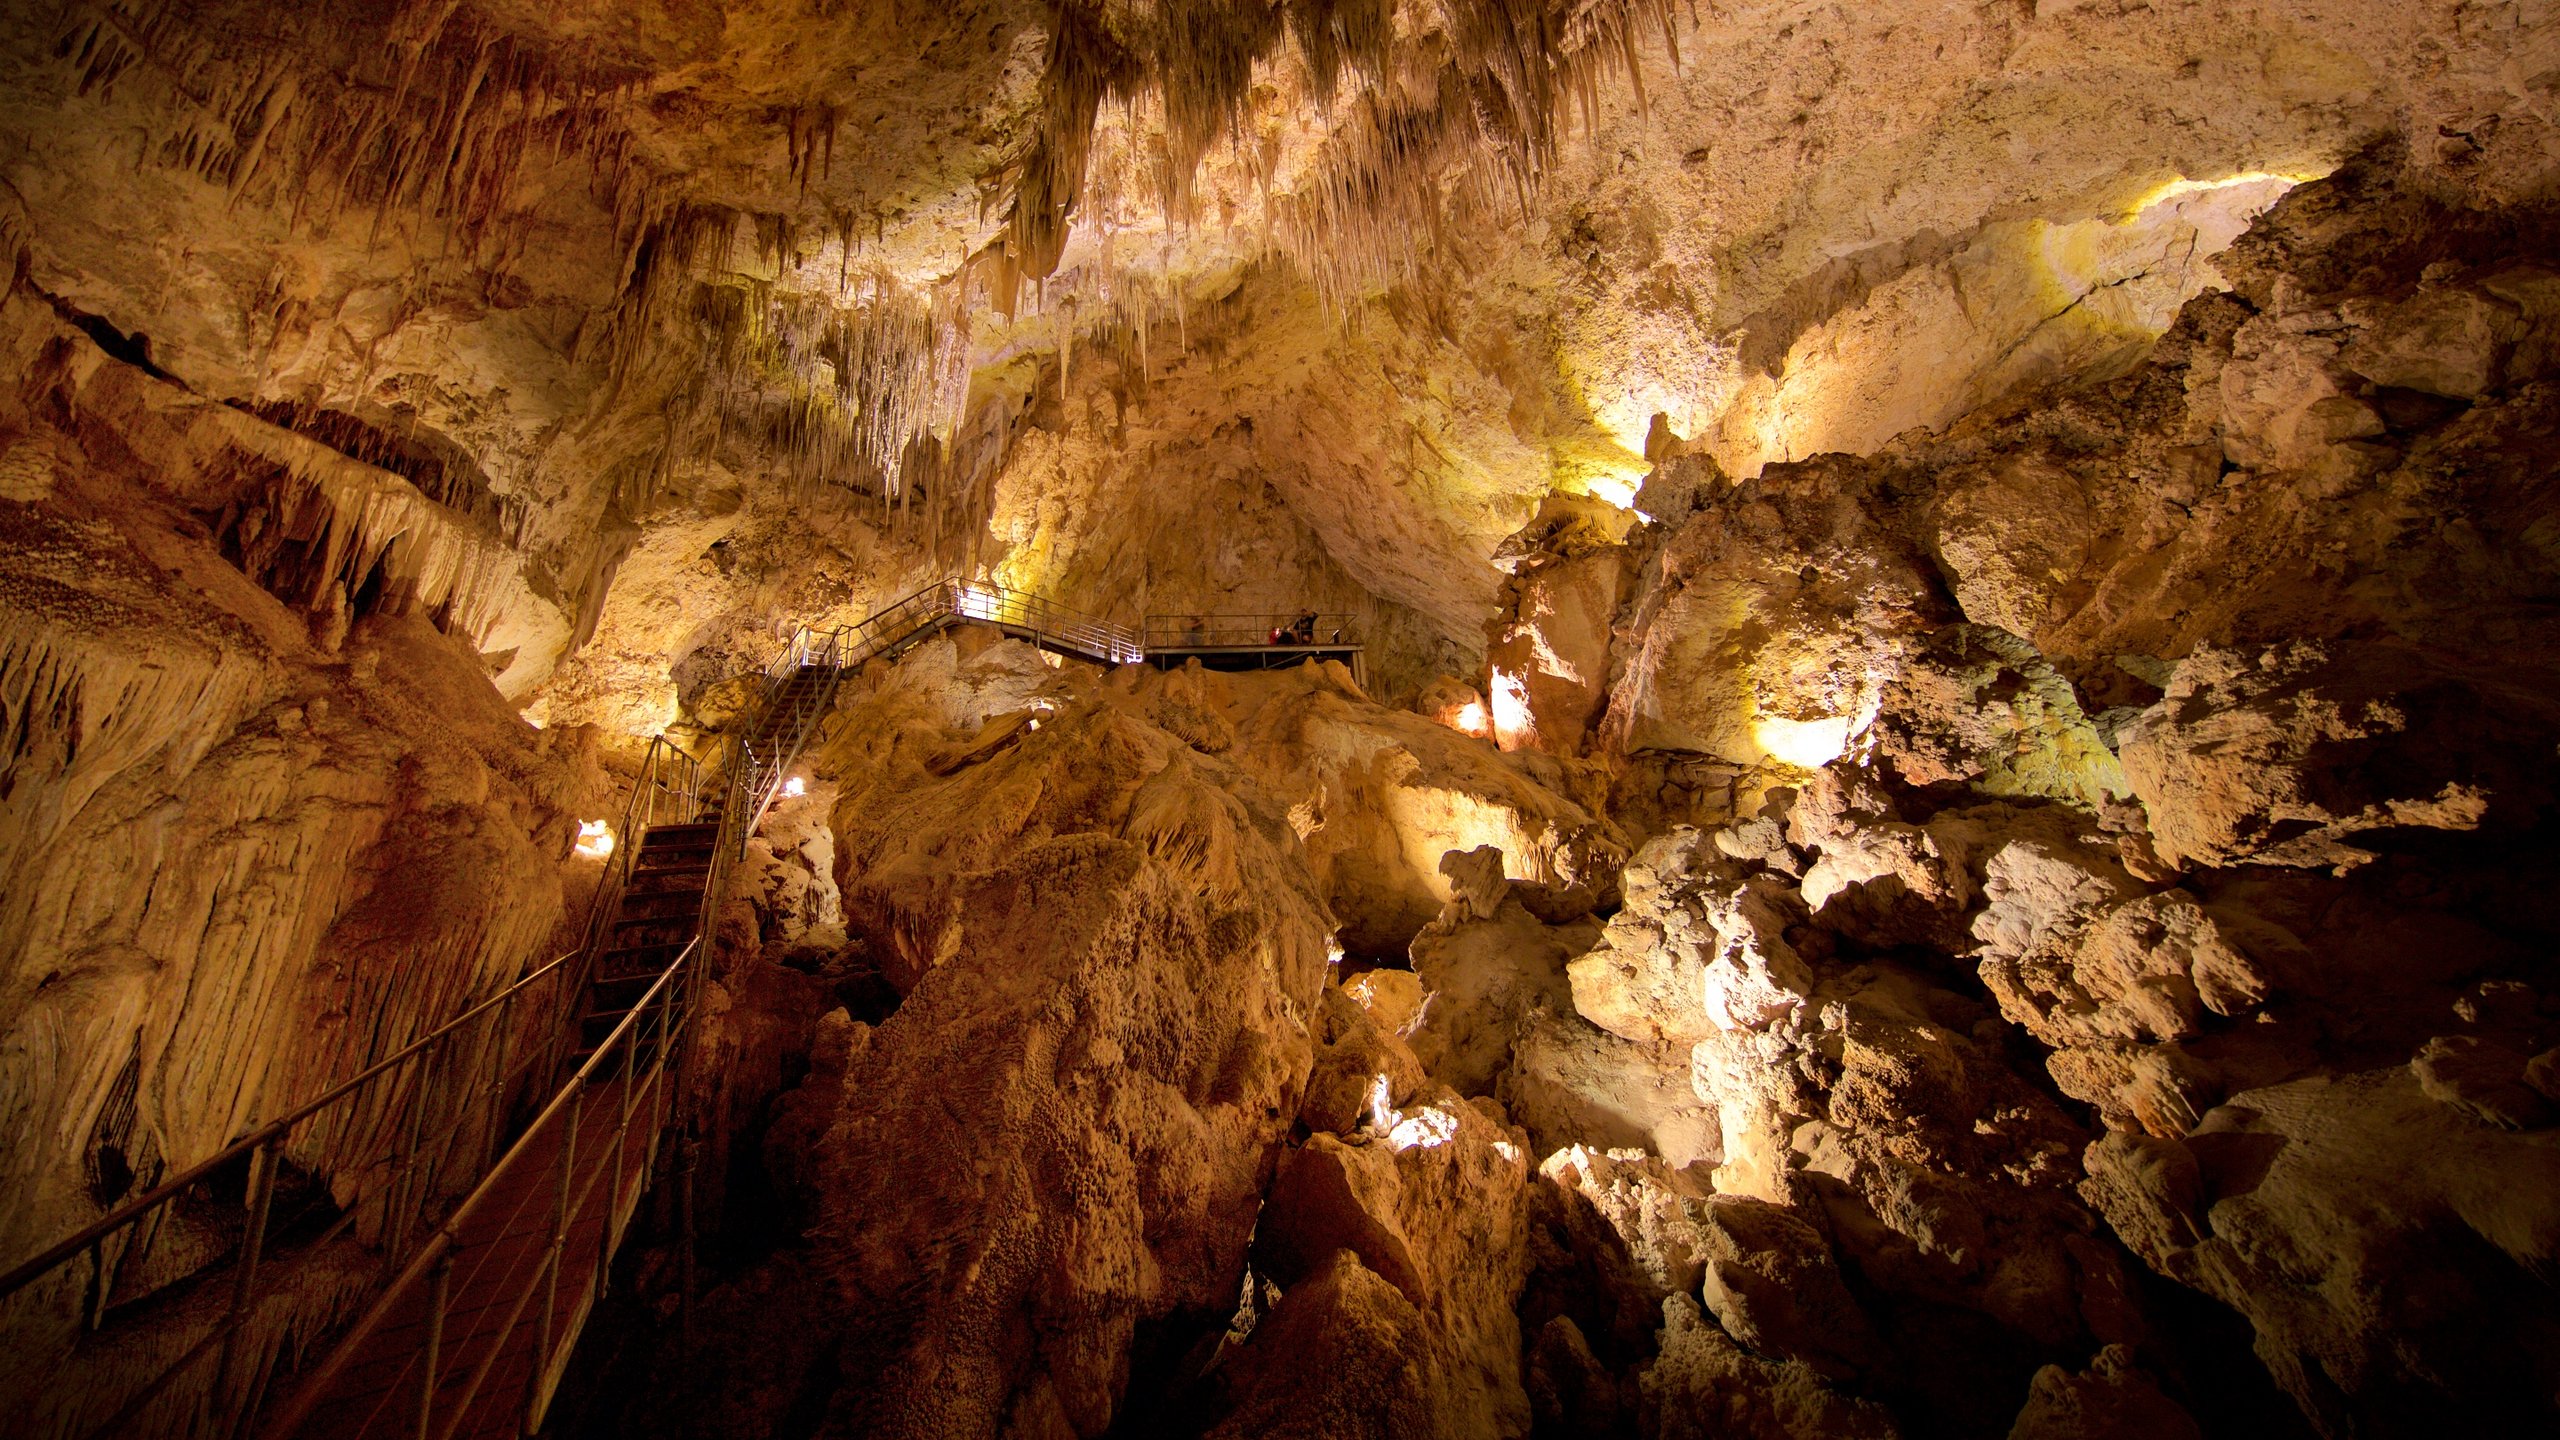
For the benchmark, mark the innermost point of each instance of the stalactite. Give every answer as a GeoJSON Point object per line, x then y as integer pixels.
{"type": "Point", "coordinates": [433, 113]}
{"type": "Point", "coordinates": [439, 117]}
{"type": "Point", "coordinates": [1503, 79]}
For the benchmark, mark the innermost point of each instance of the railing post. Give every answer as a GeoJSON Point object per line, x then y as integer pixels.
{"type": "Point", "coordinates": [431, 1355]}
{"type": "Point", "coordinates": [262, 1189]}
{"type": "Point", "coordinates": [406, 1200]}
{"type": "Point", "coordinates": [621, 1131]}
{"type": "Point", "coordinates": [557, 1249]}
{"type": "Point", "coordinates": [498, 1085]}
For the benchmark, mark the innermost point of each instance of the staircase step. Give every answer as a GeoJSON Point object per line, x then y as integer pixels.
{"type": "Point", "coordinates": [658, 953]}
{"type": "Point", "coordinates": [694, 873]}
{"type": "Point", "coordinates": [638, 980]}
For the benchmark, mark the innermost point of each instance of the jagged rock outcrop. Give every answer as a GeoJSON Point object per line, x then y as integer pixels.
{"type": "Point", "coordinates": [1958, 695]}
{"type": "Point", "coordinates": [1431, 1203]}
{"type": "Point", "coordinates": [2387, 1247]}
{"type": "Point", "coordinates": [1113, 966]}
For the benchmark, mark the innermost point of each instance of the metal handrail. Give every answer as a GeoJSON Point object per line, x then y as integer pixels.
{"type": "Point", "coordinates": [669, 790]}
{"type": "Point", "coordinates": [995, 604]}
{"type": "Point", "coordinates": [667, 1001]}
{"type": "Point", "coordinates": [670, 787]}
{"type": "Point", "coordinates": [1325, 630]}
{"type": "Point", "coordinates": [27, 1271]}
{"type": "Point", "coordinates": [401, 1196]}
{"type": "Point", "coordinates": [839, 648]}
{"type": "Point", "coordinates": [672, 1000]}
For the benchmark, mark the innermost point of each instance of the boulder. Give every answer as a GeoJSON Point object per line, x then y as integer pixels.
{"type": "Point", "coordinates": [2110, 1400]}
{"type": "Point", "coordinates": [2389, 1250]}
{"type": "Point", "coordinates": [1435, 1208]}
{"type": "Point", "coordinates": [1697, 948]}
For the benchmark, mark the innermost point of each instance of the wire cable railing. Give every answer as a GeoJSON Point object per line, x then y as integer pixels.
{"type": "Point", "coordinates": [465, 1071]}
{"type": "Point", "coordinates": [373, 1160]}
{"type": "Point", "coordinates": [670, 788]}
{"type": "Point", "coordinates": [400, 1369]}
{"type": "Point", "coordinates": [909, 617]}
{"type": "Point", "coordinates": [580, 1166]}
{"type": "Point", "coordinates": [1305, 629]}
{"type": "Point", "coordinates": [400, 1131]}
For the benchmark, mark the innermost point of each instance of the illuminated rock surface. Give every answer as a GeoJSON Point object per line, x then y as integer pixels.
{"type": "Point", "coordinates": [1944, 827]}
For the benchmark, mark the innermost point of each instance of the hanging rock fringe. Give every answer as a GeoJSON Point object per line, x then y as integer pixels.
{"type": "Point", "coordinates": [436, 112]}
{"type": "Point", "coordinates": [1457, 123]}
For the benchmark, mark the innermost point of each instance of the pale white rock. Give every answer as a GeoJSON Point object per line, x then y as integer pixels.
{"type": "Point", "coordinates": [1696, 950]}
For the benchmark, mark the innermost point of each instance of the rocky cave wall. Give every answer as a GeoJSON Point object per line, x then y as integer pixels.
{"type": "Point", "coordinates": [2046, 936]}
{"type": "Point", "coordinates": [605, 273]}
{"type": "Point", "coordinates": [265, 824]}
{"type": "Point", "coordinates": [1968, 854]}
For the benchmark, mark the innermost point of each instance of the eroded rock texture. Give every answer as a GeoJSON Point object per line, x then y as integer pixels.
{"type": "Point", "coordinates": [1944, 824]}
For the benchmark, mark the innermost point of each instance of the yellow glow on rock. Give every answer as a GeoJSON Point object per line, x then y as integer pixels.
{"type": "Point", "coordinates": [1606, 472]}
{"type": "Point", "coordinates": [1805, 744]}
{"type": "Point", "coordinates": [2182, 187]}
{"type": "Point", "coordinates": [595, 839]}
{"type": "Point", "coordinates": [1614, 490]}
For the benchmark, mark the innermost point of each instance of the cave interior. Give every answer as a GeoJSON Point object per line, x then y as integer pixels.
{"type": "Point", "coordinates": [1343, 719]}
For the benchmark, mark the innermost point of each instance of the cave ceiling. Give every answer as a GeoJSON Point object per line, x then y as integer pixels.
{"type": "Point", "coordinates": [1155, 304]}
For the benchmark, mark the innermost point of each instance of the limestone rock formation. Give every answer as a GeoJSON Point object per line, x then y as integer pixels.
{"type": "Point", "coordinates": [1547, 719]}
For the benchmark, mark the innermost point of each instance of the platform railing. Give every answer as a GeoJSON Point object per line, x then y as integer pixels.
{"type": "Point", "coordinates": [1302, 629]}
{"type": "Point", "coordinates": [464, 1071]}
{"type": "Point", "coordinates": [996, 605]}
{"type": "Point", "coordinates": [908, 616]}
{"type": "Point", "coordinates": [634, 1073]}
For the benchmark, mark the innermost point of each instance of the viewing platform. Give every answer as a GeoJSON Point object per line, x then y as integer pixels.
{"type": "Point", "coordinates": [1219, 642]}
{"type": "Point", "coordinates": [1255, 642]}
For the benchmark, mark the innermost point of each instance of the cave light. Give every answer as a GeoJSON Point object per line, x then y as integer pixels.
{"type": "Point", "coordinates": [1604, 468]}
{"type": "Point", "coordinates": [1511, 720]}
{"type": "Point", "coordinates": [2182, 187]}
{"type": "Point", "coordinates": [1382, 1115]}
{"type": "Point", "coordinates": [795, 787]}
{"type": "Point", "coordinates": [1427, 1127]}
{"type": "Point", "coordinates": [1805, 744]}
{"type": "Point", "coordinates": [1613, 490]}
{"type": "Point", "coordinates": [1470, 718]}
{"type": "Point", "coordinates": [595, 839]}
{"type": "Point", "coordinates": [977, 602]}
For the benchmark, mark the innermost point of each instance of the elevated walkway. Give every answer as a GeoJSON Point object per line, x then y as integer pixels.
{"type": "Point", "coordinates": [1255, 642]}
{"type": "Point", "coordinates": [472, 1332]}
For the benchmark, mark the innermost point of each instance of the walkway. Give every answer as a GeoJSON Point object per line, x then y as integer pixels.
{"type": "Point", "coordinates": [1255, 642]}
{"type": "Point", "coordinates": [472, 1335]}
{"type": "Point", "coordinates": [1219, 642]}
